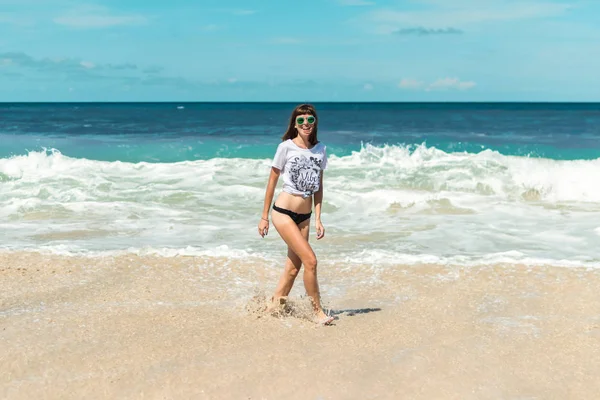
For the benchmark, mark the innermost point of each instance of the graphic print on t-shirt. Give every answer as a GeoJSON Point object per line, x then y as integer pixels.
{"type": "Point", "coordinates": [304, 173]}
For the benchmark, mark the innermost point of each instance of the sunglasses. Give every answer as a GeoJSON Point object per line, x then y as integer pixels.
{"type": "Point", "coordinates": [309, 120]}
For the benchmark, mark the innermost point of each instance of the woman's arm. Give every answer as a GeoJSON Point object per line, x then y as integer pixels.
{"type": "Point", "coordinates": [263, 225]}
{"type": "Point", "coordinates": [318, 196]}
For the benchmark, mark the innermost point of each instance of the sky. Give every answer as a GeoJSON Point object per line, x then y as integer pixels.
{"type": "Point", "coordinates": [313, 50]}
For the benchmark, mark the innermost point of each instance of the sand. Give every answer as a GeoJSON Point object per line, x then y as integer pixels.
{"type": "Point", "coordinates": [133, 327]}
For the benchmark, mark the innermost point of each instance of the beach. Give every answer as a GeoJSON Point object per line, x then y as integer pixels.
{"type": "Point", "coordinates": [152, 327]}
{"type": "Point", "coordinates": [460, 259]}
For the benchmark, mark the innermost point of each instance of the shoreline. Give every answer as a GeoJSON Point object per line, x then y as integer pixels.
{"type": "Point", "coordinates": [153, 327]}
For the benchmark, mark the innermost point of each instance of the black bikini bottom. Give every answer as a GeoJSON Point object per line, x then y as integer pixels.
{"type": "Point", "coordinates": [297, 218]}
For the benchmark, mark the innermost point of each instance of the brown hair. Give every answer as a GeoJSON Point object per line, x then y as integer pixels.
{"type": "Point", "coordinates": [292, 132]}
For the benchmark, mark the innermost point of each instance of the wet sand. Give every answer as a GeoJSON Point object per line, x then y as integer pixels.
{"type": "Point", "coordinates": [148, 327]}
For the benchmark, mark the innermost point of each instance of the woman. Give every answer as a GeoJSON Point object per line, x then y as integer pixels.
{"type": "Point", "coordinates": [301, 160]}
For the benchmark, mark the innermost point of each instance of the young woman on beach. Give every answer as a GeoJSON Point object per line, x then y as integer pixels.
{"type": "Point", "coordinates": [300, 159]}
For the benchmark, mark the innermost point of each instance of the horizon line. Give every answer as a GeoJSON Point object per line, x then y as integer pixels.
{"type": "Point", "coordinates": [306, 102]}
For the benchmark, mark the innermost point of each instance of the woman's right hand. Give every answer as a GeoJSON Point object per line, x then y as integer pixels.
{"type": "Point", "coordinates": [263, 227]}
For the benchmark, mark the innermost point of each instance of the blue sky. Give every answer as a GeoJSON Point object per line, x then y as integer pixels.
{"type": "Point", "coordinates": [314, 50]}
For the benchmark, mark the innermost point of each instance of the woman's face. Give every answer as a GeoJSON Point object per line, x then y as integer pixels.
{"type": "Point", "coordinates": [305, 124]}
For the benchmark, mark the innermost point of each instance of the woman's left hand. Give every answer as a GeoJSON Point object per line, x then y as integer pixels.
{"type": "Point", "coordinates": [320, 230]}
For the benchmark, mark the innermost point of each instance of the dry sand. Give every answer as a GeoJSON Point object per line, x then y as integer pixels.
{"type": "Point", "coordinates": [148, 327]}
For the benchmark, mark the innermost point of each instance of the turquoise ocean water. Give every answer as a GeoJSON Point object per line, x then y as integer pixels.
{"type": "Point", "coordinates": [453, 183]}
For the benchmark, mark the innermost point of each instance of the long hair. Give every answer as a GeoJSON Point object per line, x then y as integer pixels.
{"type": "Point", "coordinates": [292, 132]}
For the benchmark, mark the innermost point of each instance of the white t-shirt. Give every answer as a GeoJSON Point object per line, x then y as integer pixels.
{"type": "Point", "coordinates": [300, 168]}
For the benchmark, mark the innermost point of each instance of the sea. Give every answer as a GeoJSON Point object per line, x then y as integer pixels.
{"type": "Point", "coordinates": [407, 183]}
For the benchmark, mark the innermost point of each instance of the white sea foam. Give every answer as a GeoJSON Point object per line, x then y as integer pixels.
{"type": "Point", "coordinates": [405, 205]}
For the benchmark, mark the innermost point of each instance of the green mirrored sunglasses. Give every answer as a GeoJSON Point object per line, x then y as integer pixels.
{"type": "Point", "coordinates": [309, 120]}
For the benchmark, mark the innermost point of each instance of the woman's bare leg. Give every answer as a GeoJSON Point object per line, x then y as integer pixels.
{"type": "Point", "coordinates": [292, 266]}
{"type": "Point", "coordinates": [298, 243]}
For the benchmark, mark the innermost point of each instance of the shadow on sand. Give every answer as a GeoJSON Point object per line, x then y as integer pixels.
{"type": "Point", "coordinates": [352, 311]}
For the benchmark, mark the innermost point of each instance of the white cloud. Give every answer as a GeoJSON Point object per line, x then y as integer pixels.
{"type": "Point", "coordinates": [409, 83]}
{"type": "Point", "coordinates": [450, 83]}
{"type": "Point", "coordinates": [72, 68]}
{"type": "Point", "coordinates": [440, 84]}
{"type": "Point", "coordinates": [368, 86]}
{"type": "Point", "coordinates": [443, 14]}
{"type": "Point", "coordinates": [422, 31]}
{"type": "Point", "coordinates": [356, 2]}
{"type": "Point", "coordinates": [87, 64]}
{"type": "Point", "coordinates": [232, 80]}
{"type": "Point", "coordinates": [236, 11]}
{"type": "Point", "coordinates": [97, 17]}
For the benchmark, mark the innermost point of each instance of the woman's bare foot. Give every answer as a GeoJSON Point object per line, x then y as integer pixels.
{"type": "Point", "coordinates": [323, 319]}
